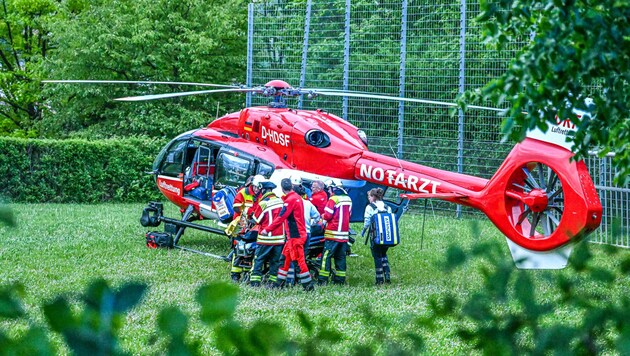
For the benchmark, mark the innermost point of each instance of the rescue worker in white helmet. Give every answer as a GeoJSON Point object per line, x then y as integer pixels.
{"type": "Point", "coordinates": [247, 196]}
{"type": "Point", "coordinates": [268, 246]}
{"type": "Point", "coordinates": [337, 214]}
{"type": "Point", "coordinates": [244, 200]}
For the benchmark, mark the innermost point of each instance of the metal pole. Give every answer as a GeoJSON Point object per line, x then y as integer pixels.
{"type": "Point", "coordinates": [307, 26]}
{"type": "Point", "coordinates": [401, 88]}
{"type": "Point", "coordinates": [250, 52]}
{"type": "Point", "coordinates": [462, 84]}
{"type": "Point", "coordinates": [346, 60]}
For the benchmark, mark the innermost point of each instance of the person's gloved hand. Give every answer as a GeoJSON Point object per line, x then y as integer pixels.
{"type": "Point", "coordinates": [363, 231]}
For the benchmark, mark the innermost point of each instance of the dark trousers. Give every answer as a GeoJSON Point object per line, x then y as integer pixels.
{"type": "Point", "coordinates": [266, 254]}
{"type": "Point", "coordinates": [381, 263]}
{"type": "Point", "coordinates": [236, 269]}
{"type": "Point", "coordinates": [337, 251]}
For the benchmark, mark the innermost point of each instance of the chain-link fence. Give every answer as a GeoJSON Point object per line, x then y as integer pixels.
{"type": "Point", "coordinates": [420, 49]}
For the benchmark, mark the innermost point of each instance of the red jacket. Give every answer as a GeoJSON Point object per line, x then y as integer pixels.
{"type": "Point", "coordinates": [292, 215]}
{"type": "Point", "coordinates": [265, 212]}
{"type": "Point", "coordinates": [337, 214]}
{"type": "Point", "coordinates": [245, 198]}
{"type": "Point", "coordinates": [319, 199]}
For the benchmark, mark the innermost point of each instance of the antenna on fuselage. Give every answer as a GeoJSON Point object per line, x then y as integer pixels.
{"type": "Point", "coordinates": [396, 156]}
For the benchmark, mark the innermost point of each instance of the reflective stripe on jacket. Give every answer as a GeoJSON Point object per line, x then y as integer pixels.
{"type": "Point", "coordinates": [265, 212]}
{"type": "Point", "coordinates": [337, 214]}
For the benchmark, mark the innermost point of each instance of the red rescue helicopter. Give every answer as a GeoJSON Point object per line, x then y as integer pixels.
{"type": "Point", "coordinates": [541, 200]}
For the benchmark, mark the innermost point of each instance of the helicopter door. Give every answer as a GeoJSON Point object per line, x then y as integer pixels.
{"type": "Point", "coordinates": [170, 164]}
{"type": "Point", "coordinates": [200, 169]}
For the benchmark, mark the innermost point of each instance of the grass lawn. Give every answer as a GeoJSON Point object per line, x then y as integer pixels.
{"type": "Point", "coordinates": [58, 249]}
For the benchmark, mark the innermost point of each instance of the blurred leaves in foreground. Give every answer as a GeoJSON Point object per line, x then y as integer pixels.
{"type": "Point", "coordinates": [506, 314]}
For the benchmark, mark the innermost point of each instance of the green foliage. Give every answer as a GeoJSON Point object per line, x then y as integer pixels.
{"type": "Point", "coordinates": [182, 41]}
{"type": "Point", "coordinates": [482, 306]}
{"type": "Point", "coordinates": [580, 49]}
{"type": "Point", "coordinates": [33, 341]}
{"type": "Point", "coordinates": [24, 34]}
{"type": "Point", "coordinates": [503, 316]}
{"type": "Point", "coordinates": [95, 330]}
{"type": "Point", "coordinates": [506, 315]}
{"type": "Point", "coordinates": [77, 170]}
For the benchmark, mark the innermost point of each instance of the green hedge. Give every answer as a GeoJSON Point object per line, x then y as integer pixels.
{"type": "Point", "coordinates": [77, 171]}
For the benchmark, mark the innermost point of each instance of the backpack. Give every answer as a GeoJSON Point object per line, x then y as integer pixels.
{"type": "Point", "coordinates": [384, 228]}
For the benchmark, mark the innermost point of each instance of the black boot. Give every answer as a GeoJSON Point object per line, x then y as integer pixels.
{"type": "Point", "coordinates": [236, 277]}
{"type": "Point", "coordinates": [308, 287]}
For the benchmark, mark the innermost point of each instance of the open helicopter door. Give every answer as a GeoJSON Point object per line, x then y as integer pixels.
{"type": "Point", "coordinates": [169, 168]}
{"type": "Point", "coordinates": [200, 164]}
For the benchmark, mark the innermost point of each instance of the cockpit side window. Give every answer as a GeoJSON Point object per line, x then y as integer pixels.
{"type": "Point", "coordinates": [173, 159]}
{"type": "Point", "coordinates": [264, 169]}
{"type": "Point", "coordinates": [232, 170]}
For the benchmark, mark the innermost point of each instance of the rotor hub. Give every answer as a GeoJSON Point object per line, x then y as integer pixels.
{"type": "Point", "coordinates": [537, 200]}
{"type": "Point", "coordinates": [278, 84]}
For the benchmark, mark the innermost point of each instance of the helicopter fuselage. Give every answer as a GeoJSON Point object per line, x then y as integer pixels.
{"type": "Point", "coordinates": [278, 142]}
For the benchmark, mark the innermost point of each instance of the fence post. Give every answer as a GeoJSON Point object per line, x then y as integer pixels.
{"type": "Point", "coordinates": [401, 88]}
{"type": "Point", "coordinates": [462, 88]}
{"type": "Point", "coordinates": [346, 60]}
{"type": "Point", "coordinates": [307, 26]}
{"type": "Point", "coordinates": [250, 52]}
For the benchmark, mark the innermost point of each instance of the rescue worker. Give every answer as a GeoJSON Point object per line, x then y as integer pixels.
{"type": "Point", "coordinates": [379, 252]}
{"type": "Point", "coordinates": [244, 201]}
{"type": "Point", "coordinates": [319, 198]}
{"type": "Point", "coordinates": [337, 214]}
{"type": "Point", "coordinates": [292, 216]}
{"type": "Point", "coordinates": [311, 217]}
{"type": "Point", "coordinates": [246, 196]}
{"type": "Point", "coordinates": [268, 246]}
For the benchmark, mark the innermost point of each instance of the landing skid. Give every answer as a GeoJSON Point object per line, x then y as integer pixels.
{"type": "Point", "coordinates": [152, 215]}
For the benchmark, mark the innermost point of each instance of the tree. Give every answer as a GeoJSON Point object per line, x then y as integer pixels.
{"type": "Point", "coordinates": [24, 43]}
{"type": "Point", "coordinates": [184, 41]}
{"type": "Point", "coordinates": [580, 49]}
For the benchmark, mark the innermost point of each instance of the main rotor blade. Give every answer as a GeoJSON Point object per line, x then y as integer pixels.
{"type": "Point", "coordinates": [76, 81]}
{"type": "Point", "coordinates": [394, 98]}
{"type": "Point", "coordinates": [185, 93]}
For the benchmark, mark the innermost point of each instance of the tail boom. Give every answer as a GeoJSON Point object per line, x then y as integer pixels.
{"type": "Point", "coordinates": [539, 198]}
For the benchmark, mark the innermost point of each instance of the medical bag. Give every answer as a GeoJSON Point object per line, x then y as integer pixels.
{"type": "Point", "coordinates": [384, 229]}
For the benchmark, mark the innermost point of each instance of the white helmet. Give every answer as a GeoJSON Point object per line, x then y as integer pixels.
{"type": "Point", "coordinates": [257, 180]}
{"type": "Point", "coordinates": [334, 183]}
{"type": "Point", "coordinates": [296, 180]}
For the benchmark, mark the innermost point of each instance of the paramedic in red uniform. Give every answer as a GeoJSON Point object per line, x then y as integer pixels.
{"type": "Point", "coordinates": [292, 215]}
{"type": "Point", "coordinates": [337, 214]}
{"type": "Point", "coordinates": [319, 198]}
